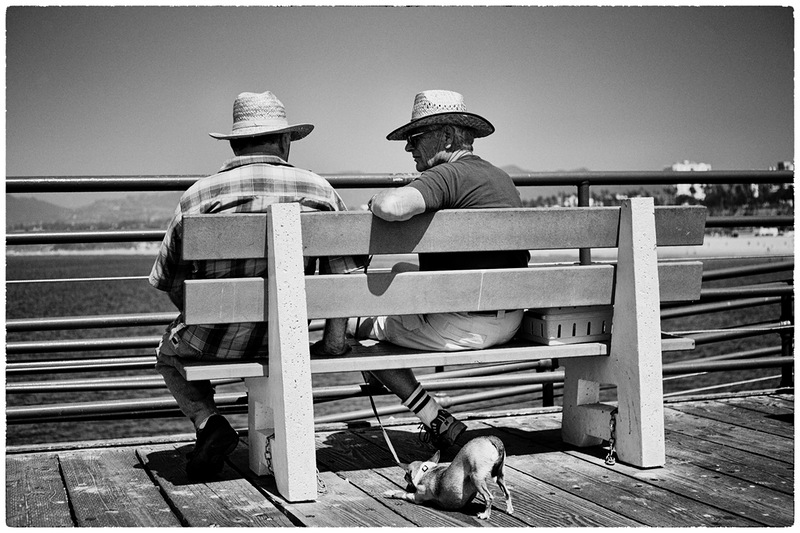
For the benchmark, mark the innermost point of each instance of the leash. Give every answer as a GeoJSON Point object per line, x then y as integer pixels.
{"type": "Point", "coordinates": [385, 435]}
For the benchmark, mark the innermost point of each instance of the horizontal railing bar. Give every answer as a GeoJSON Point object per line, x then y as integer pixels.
{"type": "Point", "coordinates": [81, 365]}
{"type": "Point", "coordinates": [744, 221]}
{"type": "Point", "coordinates": [74, 280]}
{"type": "Point", "coordinates": [97, 384]}
{"type": "Point", "coordinates": [97, 321]}
{"type": "Point", "coordinates": [79, 345]}
{"type": "Point", "coordinates": [64, 412]}
{"type": "Point", "coordinates": [79, 237]}
{"type": "Point", "coordinates": [28, 184]}
{"type": "Point", "coordinates": [725, 366]}
{"type": "Point", "coordinates": [746, 291]}
{"type": "Point", "coordinates": [748, 270]}
{"type": "Point", "coordinates": [754, 330]}
{"type": "Point", "coordinates": [712, 307]}
{"type": "Point", "coordinates": [104, 321]}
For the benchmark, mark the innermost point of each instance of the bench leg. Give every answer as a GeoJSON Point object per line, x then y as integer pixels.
{"type": "Point", "coordinates": [260, 424]}
{"type": "Point", "coordinates": [293, 449]}
{"type": "Point", "coordinates": [634, 361]}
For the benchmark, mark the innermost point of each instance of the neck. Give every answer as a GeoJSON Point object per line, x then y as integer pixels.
{"type": "Point", "coordinates": [458, 154]}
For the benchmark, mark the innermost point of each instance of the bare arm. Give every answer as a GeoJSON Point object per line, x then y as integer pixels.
{"type": "Point", "coordinates": [397, 204]}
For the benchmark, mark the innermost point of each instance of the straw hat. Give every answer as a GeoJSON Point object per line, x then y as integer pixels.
{"type": "Point", "coordinates": [261, 114]}
{"type": "Point", "coordinates": [441, 107]}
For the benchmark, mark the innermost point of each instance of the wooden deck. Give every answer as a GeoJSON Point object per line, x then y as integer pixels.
{"type": "Point", "coordinates": [730, 463]}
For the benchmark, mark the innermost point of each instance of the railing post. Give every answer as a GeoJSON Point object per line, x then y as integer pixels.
{"type": "Point", "coordinates": [583, 201]}
{"type": "Point", "coordinates": [787, 340]}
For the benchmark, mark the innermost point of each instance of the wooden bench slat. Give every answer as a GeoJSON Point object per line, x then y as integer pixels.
{"type": "Point", "coordinates": [237, 236]}
{"type": "Point", "coordinates": [230, 300]}
{"type": "Point", "coordinates": [390, 356]}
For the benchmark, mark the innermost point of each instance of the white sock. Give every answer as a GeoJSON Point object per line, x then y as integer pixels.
{"type": "Point", "coordinates": [423, 405]}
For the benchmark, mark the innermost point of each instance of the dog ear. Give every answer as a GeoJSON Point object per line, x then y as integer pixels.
{"type": "Point", "coordinates": [435, 458]}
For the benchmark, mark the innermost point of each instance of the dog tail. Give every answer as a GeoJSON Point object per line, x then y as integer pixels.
{"type": "Point", "coordinates": [501, 453]}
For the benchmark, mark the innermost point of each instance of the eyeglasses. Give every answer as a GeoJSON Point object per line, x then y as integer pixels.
{"type": "Point", "coordinates": [414, 138]}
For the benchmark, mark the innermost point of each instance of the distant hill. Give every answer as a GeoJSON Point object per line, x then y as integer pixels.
{"type": "Point", "coordinates": [138, 210]}
{"type": "Point", "coordinates": [32, 212]}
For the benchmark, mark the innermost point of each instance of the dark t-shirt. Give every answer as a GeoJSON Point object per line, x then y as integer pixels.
{"type": "Point", "coordinates": [468, 183]}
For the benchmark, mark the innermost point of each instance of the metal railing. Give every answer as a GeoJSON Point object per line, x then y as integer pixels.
{"type": "Point", "coordinates": [506, 381]}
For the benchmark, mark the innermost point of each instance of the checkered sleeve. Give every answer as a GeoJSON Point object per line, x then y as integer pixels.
{"type": "Point", "coordinates": [169, 270]}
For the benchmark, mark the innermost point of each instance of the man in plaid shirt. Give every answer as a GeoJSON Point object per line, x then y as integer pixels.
{"type": "Point", "coordinates": [257, 176]}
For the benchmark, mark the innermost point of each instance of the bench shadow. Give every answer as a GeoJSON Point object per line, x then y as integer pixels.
{"type": "Point", "coordinates": [360, 449]}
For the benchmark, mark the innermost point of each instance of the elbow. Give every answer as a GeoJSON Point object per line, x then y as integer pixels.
{"type": "Point", "coordinates": [392, 210]}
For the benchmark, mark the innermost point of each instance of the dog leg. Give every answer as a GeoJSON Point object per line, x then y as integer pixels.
{"type": "Point", "coordinates": [484, 491]}
{"type": "Point", "coordinates": [400, 495]}
{"type": "Point", "coordinates": [501, 482]}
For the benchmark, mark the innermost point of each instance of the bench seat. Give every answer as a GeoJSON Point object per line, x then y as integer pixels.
{"type": "Point", "coordinates": [369, 355]}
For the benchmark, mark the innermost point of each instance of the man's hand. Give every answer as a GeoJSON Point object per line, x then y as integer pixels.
{"type": "Point", "coordinates": [319, 349]}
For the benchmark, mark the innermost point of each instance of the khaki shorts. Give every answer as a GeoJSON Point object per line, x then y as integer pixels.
{"type": "Point", "coordinates": [444, 332]}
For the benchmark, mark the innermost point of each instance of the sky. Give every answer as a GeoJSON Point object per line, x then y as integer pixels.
{"type": "Point", "coordinates": [135, 90]}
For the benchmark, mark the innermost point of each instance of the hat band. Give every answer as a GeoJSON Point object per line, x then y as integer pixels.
{"type": "Point", "coordinates": [247, 124]}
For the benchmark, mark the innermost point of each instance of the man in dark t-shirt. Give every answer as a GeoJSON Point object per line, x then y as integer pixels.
{"type": "Point", "coordinates": [439, 137]}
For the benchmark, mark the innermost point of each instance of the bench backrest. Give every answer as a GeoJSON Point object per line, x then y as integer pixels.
{"type": "Point", "coordinates": [230, 236]}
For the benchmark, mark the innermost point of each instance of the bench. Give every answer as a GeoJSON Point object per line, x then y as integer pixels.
{"type": "Point", "coordinates": [280, 406]}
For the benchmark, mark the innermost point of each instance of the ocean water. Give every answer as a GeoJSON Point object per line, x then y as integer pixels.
{"type": "Point", "coordinates": [107, 297]}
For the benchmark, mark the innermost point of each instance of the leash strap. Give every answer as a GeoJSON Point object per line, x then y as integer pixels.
{"type": "Point", "coordinates": [385, 435]}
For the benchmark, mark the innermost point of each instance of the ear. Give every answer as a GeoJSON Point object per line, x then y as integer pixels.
{"type": "Point", "coordinates": [404, 466]}
{"type": "Point", "coordinates": [435, 458]}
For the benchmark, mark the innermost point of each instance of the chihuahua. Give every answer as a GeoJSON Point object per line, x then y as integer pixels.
{"type": "Point", "coordinates": [455, 485]}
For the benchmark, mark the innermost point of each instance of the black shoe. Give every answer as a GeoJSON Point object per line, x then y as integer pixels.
{"type": "Point", "coordinates": [214, 442]}
{"type": "Point", "coordinates": [444, 431]}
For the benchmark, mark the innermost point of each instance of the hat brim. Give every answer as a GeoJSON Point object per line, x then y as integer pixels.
{"type": "Point", "coordinates": [298, 132]}
{"type": "Point", "coordinates": [480, 126]}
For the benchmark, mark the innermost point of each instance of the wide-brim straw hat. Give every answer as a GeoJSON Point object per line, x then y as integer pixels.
{"type": "Point", "coordinates": [261, 114]}
{"type": "Point", "coordinates": [441, 107]}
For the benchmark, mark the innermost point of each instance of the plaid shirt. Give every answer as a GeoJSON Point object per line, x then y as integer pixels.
{"type": "Point", "coordinates": [244, 184]}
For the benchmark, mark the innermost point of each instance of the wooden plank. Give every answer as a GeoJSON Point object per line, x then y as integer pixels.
{"type": "Point", "coordinates": [742, 498]}
{"type": "Point", "coordinates": [35, 494]}
{"type": "Point", "coordinates": [536, 503]}
{"type": "Point", "coordinates": [546, 457]}
{"type": "Point", "coordinates": [224, 301]}
{"type": "Point", "coordinates": [680, 226]}
{"type": "Point", "coordinates": [396, 357]}
{"type": "Point", "coordinates": [229, 300]}
{"type": "Point", "coordinates": [725, 460]}
{"type": "Point", "coordinates": [370, 469]}
{"type": "Point", "coordinates": [224, 236]}
{"type": "Point", "coordinates": [723, 434]}
{"type": "Point", "coordinates": [339, 503]}
{"type": "Point", "coordinates": [776, 408]}
{"type": "Point", "coordinates": [388, 293]}
{"type": "Point", "coordinates": [354, 233]}
{"type": "Point", "coordinates": [108, 488]}
{"type": "Point", "coordinates": [680, 281]}
{"type": "Point", "coordinates": [230, 500]}
{"type": "Point", "coordinates": [370, 356]}
{"type": "Point", "coordinates": [724, 412]}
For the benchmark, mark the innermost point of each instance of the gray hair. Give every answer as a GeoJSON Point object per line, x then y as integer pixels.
{"type": "Point", "coordinates": [462, 138]}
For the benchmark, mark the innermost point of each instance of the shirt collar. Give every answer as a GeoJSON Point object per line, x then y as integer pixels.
{"type": "Point", "coordinates": [241, 160]}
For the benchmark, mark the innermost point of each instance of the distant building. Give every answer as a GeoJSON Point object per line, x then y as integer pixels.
{"type": "Point", "coordinates": [783, 165]}
{"type": "Point", "coordinates": [695, 190]}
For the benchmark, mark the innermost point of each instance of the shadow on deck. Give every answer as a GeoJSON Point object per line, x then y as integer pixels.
{"type": "Point", "coordinates": [730, 462]}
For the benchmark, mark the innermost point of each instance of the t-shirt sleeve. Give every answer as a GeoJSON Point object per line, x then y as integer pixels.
{"type": "Point", "coordinates": [435, 188]}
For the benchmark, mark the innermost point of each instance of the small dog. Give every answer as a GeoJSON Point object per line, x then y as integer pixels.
{"type": "Point", "coordinates": [455, 485]}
